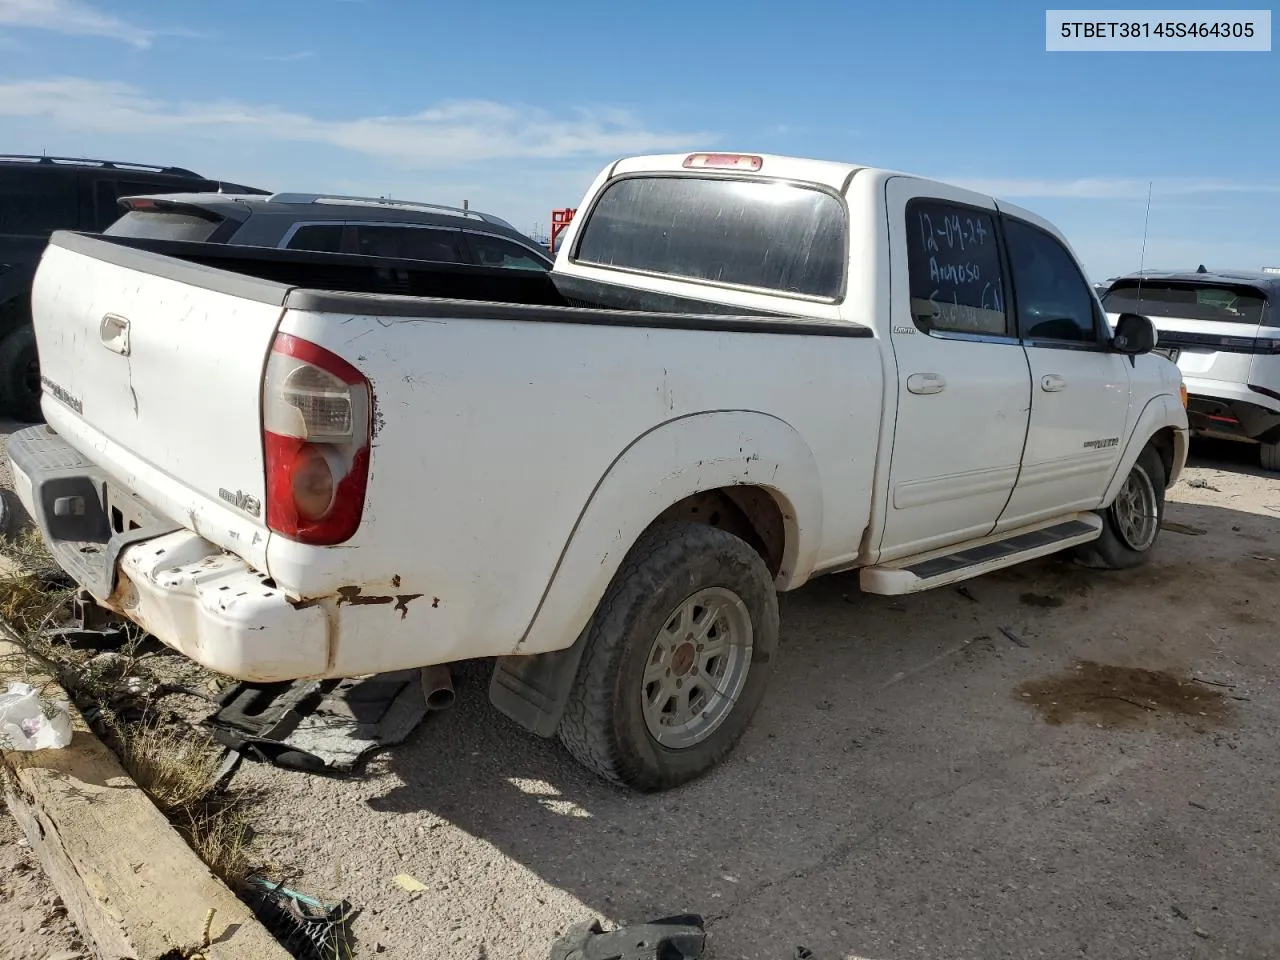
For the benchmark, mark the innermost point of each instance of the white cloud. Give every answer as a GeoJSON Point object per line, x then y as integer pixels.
{"type": "Point", "coordinates": [289, 57]}
{"type": "Point", "coordinates": [1107, 188]}
{"type": "Point", "coordinates": [444, 135]}
{"type": "Point", "coordinates": [78, 18]}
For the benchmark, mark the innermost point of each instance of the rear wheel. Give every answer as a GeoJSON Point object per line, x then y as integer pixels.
{"type": "Point", "coordinates": [20, 375]}
{"type": "Point", "coordinates": [1271, 456]}
{"type": "Point", "coordinates": [1131, 525]}
{"type": "Point", "coordinates": [678, 656]}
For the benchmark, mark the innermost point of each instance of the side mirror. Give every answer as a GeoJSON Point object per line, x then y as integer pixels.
{"type": "Point", "coordinates": [1135, 334]}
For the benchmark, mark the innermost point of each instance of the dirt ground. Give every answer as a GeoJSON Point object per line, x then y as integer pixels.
{"type": "Point", "coordinates": [1051, 762]}
{"type": "Point", "coordinates": [33, 923]}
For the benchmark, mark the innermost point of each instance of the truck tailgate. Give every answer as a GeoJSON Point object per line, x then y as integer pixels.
{"type": "Point", "coordinates": [157, 379]}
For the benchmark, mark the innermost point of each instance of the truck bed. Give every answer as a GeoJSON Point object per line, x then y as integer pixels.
{"type": "Point", "coordinates": [377, 286]}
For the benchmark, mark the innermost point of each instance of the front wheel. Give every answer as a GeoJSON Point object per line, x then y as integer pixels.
{"type": "Point", "coordinates": [678, 656]}
{"type": "Point", "coordinates": [1132, 523]}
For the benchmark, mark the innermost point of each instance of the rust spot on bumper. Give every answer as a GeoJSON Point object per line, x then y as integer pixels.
{"type": "Point", "coordinates": [402, 603]}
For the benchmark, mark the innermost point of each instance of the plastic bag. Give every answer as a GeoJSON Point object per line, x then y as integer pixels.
{"type": "Point", "coordinates": [29, 723]}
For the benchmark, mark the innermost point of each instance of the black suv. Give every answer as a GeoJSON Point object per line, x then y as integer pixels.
{"type": "Point", "coordinates": [363, 226]}
{"type": "Point", "coordinates": [39, 195]}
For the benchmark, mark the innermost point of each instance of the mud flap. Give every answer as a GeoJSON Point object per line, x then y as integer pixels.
{"type": "Point", "coordinates": [534, 690]}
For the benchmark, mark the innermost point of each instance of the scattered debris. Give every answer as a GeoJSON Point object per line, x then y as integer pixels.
{"type": "Point", "coordinates": [1263, 559]}
{"type": "Point", "coordinates": [306, 927]}
{"type": "Point", "coordinates": [31, 722]}
{"type": "Point", "coordinates": [1041, 600]}
{"type": "Point", "coordinates": [1014, 637]}
{"type": "Point", "coordinates": [1199, 484]}
{"type": "Point", "coordinates": [1174, 527]}
{"type": "Point", "coordinates": [1198, 806]}
{"type": "Point", "coordinates": [968, 595]}
{"type": "Point", "coordinates": [326, 725]}
{"type": "Point", "coordinates": [672, 938]}
{"type": "Point", "coordinates": [1201, 934]}
{"type": "Point", "coordinates": [1178, 913]}
{"type": "Point", "coordinates": [407, 882]}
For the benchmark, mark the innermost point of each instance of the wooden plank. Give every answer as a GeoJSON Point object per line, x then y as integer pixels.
{"type": "Point", "coordinates": [129, 881]}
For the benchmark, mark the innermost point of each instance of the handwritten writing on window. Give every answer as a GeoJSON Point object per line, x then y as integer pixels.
{"type": "Point", "coordinates": [954, 269]}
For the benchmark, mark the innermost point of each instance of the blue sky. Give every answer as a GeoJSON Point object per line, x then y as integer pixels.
{"type": "Point", "coordinates": [515, 106]}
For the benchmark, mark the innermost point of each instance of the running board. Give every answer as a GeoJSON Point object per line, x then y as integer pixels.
{"type": "Point", "coordinates": [973, 559]}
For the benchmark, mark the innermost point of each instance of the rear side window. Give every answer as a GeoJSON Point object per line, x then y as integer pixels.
{"type": "Point", "coordinates": [37, 202]}
{"type": "Point", "coordinates": [408, 243]}
{"type": "Point", "coordinates": [772, 236]}
{"type": "Point", "coordinates": [320, 237]}
{"type": "Point", "coordinates": [954, 269]}
{"type": "Point", "coordinates": [1189, 301]}
{"type": "Point", "coordinates": [164, 225]}
{"type": "Point", "coordinates": [495, 252]}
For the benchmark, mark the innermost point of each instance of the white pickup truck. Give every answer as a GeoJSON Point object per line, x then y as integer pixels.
{"type": "Point", "coordinates": [744, 371]}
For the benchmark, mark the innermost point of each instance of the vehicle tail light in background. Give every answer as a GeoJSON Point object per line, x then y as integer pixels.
{"type": "Point", "coordinates": [316, 416]}
{"type": "Point", "coordinates": [730, 161]}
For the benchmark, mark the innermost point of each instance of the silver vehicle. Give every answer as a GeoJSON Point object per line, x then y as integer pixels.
{"type": "Point", "coordinates": [1222, 330]}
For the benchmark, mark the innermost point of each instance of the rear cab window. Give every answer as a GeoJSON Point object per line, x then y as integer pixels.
{"type": "Point", "coordinates": [1225, 303]}
{"type": "Point", "coordinates": [756, 234]}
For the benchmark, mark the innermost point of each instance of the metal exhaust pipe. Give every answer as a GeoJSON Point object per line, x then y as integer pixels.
{"type": "Point", "coordinates": [437, 687]}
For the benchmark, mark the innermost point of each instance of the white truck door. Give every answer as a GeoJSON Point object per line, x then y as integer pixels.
{"type": "Point", "coordinates": [963, 384]}
{"type": "Point", "coordinates": [1079, 388]}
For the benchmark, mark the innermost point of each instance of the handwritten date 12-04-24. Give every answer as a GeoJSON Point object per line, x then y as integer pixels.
{"type": "Point", "coordinates": [956, 231]}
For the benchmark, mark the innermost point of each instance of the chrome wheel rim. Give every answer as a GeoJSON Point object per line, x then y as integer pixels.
{"type": "Point", "coordinates": [1136, 511]}
{"type": "Point", "coordinates": [697, 667]}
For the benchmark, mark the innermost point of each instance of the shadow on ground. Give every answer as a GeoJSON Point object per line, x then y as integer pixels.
{"type": "Point", "coordinates": [894, 798]}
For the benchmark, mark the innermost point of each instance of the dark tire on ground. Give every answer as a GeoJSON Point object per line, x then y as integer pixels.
{"type": "Point", "coordinates": [1270, 456]}
{"type": "Point", "coordinates": [605, 726]}
{"type": "Point", "coordinates": [1126, 543]}
{"type": "Point", "coordinates": [20, 376]}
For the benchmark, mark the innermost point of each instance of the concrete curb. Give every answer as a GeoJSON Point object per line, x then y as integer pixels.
{"type": "Point", "coordinates": [129, 881]}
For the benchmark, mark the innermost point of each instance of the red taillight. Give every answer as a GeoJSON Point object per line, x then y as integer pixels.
{"type": "Point", "coordinates": [732, 161]}
{"type": "Point", "coordinates": [316, 416]}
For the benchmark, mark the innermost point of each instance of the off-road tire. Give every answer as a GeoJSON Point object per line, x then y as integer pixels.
{"type": "Point", "coordinates": [19, 397]}
{"type": "Point", "coordinates": [603, 726]}
{"type": "Point", "coordinates": [1110, 551]}
{"type": "Point", "coordinates": [1270, 455]}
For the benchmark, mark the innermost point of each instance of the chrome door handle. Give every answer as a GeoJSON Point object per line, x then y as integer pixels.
{"type": "Point", "coordinates": [925, 383]}
{"type": "Point", "coordinates": [114, 332]}
{"type": "Point", "coordinates": [1052, 383]}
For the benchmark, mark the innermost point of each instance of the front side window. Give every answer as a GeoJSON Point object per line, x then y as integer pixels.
{"type": "Point", "coordinates": [1055, 301]}
{"type": "Point", "coordinates": [954, 270]}
{"type": "Point", "coordinates": [745, 233]}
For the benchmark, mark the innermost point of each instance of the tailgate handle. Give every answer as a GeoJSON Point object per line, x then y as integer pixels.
{"type": "Point", "coordinates": [114, 332]}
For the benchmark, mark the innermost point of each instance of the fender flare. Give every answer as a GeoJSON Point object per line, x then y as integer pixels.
{"type": "Point", "coordinates": [1161, 411]}
{"type": "Point", "coordinates": [661, 467]}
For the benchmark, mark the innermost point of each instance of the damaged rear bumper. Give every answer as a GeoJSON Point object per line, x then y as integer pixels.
{"type": "Point", "coordinates": [190, 594]}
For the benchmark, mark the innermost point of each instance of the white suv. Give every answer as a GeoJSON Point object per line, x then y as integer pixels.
{"type": "Point", "coordinates": [1222, 330]}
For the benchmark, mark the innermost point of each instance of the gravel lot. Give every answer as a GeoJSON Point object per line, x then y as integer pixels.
{"type": "Point", "coordinates": [1024, 769]}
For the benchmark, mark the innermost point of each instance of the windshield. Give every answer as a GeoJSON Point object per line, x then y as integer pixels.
{"type": "Point", "coordinates": [1229, 303]}
{"type": "Point", "coordinates": [743, 233]}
